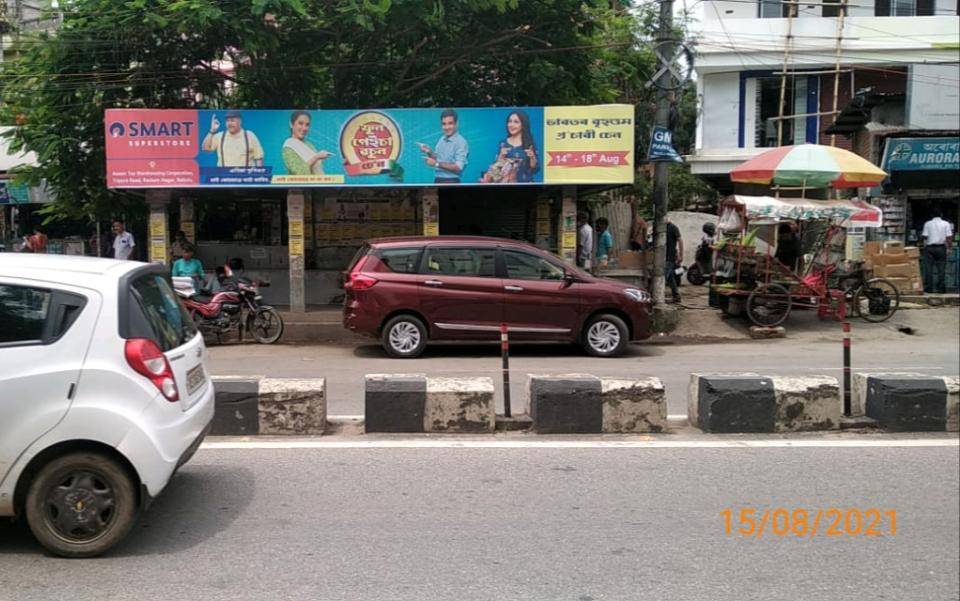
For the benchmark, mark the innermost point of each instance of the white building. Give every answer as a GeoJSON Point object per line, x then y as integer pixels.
{"type": "Point", "coordinates": [899, 73]}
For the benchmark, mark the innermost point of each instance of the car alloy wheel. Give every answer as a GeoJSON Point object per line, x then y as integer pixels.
{"type": "Point", "coordinates": [404, 337]}
{"type": "Point", "coordinates": [603, 337]}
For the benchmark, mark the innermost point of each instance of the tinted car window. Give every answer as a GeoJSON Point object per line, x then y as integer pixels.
{"type": "Point", "coordinates": [400, 260]}
{"type": "Point", "coordinates": [467, 262]}
{"type": "Point", "coordinates": [23, 313]}
{"type": "Point", "coordinates": [524, 266]}
{"type": "Point", "coordinates": [161, 317]}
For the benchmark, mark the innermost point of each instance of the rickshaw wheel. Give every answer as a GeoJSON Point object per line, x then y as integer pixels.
{"type": "Point", "coordinates": [768, 305]}
{"type": "Point", "coordinates": [877, 300]}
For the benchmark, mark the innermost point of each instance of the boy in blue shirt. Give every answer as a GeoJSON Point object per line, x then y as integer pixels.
{"type": "Point", "coordinates": [604, 242]}
{"type": "Point", "coordinates": [187, 266]}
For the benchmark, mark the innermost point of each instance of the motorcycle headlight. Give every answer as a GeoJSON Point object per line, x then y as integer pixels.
{"type": "Point", "coordinates": [638, 295]}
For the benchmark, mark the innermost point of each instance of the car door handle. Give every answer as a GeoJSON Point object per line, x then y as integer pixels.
{"type": "Point", "coordinates": [513, 288]}
{"type": "Point", "coordinates": [433, 283]}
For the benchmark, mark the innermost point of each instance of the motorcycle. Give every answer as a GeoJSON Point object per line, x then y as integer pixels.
{"type": "Point", "coordinates": [699, 271]}
{"type": "Point", "coordinates": [235, 305]}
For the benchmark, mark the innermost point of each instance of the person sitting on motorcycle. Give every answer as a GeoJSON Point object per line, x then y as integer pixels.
{"type": "Point", "coordinates": [188, 266]}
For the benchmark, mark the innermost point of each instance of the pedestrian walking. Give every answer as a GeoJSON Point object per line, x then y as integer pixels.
{"type": "Point", "coordinates": [604, 242]}
{"type": "Point", "coordinates": [584, 241]}
{"type": "Point", "coordinates": [123, 242]}
{"type": "Point", "coordinates": [937, 239]}
{"type": "Point", "coordinates": [674, 259]}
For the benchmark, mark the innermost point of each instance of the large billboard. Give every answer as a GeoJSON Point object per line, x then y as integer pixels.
{"type": "Point", "coordinates": [149, 148]}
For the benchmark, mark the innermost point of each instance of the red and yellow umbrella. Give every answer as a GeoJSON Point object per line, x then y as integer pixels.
{"type": "Point", "coordinates": [810, 166]}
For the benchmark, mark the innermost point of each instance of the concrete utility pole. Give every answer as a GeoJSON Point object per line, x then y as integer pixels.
{"type": "Point", "coordinates": [660, 172]}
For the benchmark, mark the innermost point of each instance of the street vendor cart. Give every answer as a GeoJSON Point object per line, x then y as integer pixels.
{"type": "Point", "coordinates": [750, 278]}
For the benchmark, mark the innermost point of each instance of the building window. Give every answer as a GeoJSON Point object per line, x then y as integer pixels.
{"type": "Point", "coordinates": [773, 9]}
{"type": "Point", "coordinates": [904, 8]}
{"type": "Point", "coordinates": [768, 111]}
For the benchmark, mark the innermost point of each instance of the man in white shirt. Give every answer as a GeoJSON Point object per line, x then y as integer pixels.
{"type": "Point", "coordinates": [584, 241]}
{"type": "Point", "coordinates": [235, 147]}
{"type": "Point", "coordinates": [937, 238]}
{"type": "Point", "coordinates": [123, 242]}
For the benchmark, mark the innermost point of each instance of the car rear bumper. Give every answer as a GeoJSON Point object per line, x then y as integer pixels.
{"type": "Point", "coordinates": [360, 320]}
{"type": "Point", "coordinates": [164, 438]}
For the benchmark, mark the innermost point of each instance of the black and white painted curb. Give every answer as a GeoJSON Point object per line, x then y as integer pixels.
{"type": "Point", "coordinates": [417, 403]}
{"type": "Point", "coordinates": [745, 403]}
{"type": "Point", "coordinates": [586, 404]}
{"type": "Point", "coordinates": [248, 405]}
{"type": "Point", "coordinates": [912, 403]}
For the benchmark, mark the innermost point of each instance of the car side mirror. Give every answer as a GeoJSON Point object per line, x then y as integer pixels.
{"type": "Point", "coordinates": [569, 279]}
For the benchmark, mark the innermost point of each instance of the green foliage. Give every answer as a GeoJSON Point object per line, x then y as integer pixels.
{"type": "Point", "coordinates": [308, 53]}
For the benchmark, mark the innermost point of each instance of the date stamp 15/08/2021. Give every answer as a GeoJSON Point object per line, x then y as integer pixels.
{"type": "Point", "coordinates": [832, 522]}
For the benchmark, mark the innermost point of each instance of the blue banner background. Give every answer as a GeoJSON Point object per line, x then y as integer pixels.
{"type": "Point", "coordinates": [483, 128]}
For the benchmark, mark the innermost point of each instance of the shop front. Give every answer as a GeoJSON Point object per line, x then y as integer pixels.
{"type": "Point", "coordinates": [924, 179]}
{"type": "Point", "coordinates": [295, 193]}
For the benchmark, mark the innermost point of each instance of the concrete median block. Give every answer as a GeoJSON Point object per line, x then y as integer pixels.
{"type": "Point", "coordinates": [293, 406]}
{"type": "Point", "coordinates": [806, 403]}
{"type": "Point", "coordinates": [953, 403]}
{"type": "Point", "coordinates": [908, 404]}
{"type": "Point", "coordinates": [634, 405]}
{"type": "Point", "coordinates": [858, 388]}
{"type": "Point", "coordinates": [459, 405]}
{"type": "Point", "coordinates": [693, 393]}
{"type": "Point", "coordinates": [567, 404]}
{"type": "Point", "coordinates": [736, 404]}
{"type": "Point", "coordinates": [236, 406]}
{"type": "Point", "coordinates": [586, 404]}
{"type": "Point", "coordinates": [395, 402]}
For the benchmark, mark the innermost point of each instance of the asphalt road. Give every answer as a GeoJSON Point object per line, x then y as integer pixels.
{"type": "Point", "coordinates": [464, 524]}
{"type": "Point", "coordinates": [812, 347]}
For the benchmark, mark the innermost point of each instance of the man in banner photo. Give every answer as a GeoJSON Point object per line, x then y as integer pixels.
{"type": "Point", "coordinates": [300, 156]}
{"type": "Point", "coordinates": [235, 147]}
{"type": "Point", "coordinates": [450, 155]}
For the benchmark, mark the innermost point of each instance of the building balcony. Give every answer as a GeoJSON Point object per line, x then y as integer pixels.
{"type": "Point", "coordinates": [745, 44]}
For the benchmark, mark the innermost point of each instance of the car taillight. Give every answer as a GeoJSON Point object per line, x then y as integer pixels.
{"type": "Point", "coordinates": [145, 357]}
{"type": "Point", "coordinates": [357, 280]}
{"type": "Point", "coordinates": [361, 282]}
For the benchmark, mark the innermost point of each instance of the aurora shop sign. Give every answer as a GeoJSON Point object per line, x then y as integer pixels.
{"type": "Point", "coordinates": [921, 154]}
{"type": "Point", "coordinates": [149, 148]}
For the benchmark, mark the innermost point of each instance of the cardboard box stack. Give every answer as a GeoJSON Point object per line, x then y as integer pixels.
{"type": "Point", "coordinates": [895, 262]}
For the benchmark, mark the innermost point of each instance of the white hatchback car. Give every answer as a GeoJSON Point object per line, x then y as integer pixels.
{"type": "Point", "coordinates": [103, 395]}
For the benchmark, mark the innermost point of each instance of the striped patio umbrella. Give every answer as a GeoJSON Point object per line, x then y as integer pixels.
{"type": "Point", "coordinates": [810, 166]}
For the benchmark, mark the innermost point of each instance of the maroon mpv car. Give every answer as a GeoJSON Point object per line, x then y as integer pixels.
{"type": "Point", "coordinates": [407, 291]}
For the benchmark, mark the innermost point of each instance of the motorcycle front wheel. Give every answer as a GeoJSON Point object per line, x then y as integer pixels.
{"type": "Point", "coordinates": [265, 325]}
{"type": "Point", "coordinates": [695, 276]}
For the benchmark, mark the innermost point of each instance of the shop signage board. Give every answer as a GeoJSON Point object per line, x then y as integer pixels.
{"type": "Point", "coordinates": [156, 148]}
{"type": "Point", "coordinates": [922, 154]}
{"type": "Point", "coordinates": [661, 146]}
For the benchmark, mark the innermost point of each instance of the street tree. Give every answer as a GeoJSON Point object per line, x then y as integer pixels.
{"type": "Point", "coordinates": [304, 53]}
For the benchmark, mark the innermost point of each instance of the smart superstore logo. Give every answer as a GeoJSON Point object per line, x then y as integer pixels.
{"type": "Point", "coordinates": [153, 133]}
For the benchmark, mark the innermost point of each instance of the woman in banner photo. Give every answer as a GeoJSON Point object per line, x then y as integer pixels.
{"type": "Point", "coordinates": [517, 159]}
{"type": "Point", "coordinates": [300, 156]}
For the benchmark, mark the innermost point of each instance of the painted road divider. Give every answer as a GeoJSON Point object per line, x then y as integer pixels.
{"type": "Point", "coordinates": [586, 404]}
{"type": "Point", "coordinates": [417, 403]}
{"type": "Point", "coordinates": [258, 405]}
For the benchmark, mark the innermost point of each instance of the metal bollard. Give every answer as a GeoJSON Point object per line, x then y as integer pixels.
{"type": "Point", "coordinates": [505, 355]}
{"type": "Point", "coordinates": [846, 369]}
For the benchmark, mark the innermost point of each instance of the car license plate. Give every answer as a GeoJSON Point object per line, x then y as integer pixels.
{"type": "Point", "coordinates": [195, 379]}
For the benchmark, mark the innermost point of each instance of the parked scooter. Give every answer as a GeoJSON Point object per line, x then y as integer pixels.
{"type": "Point", "coordinates": [699, 271]}
{"type": "Point", "coordinates": [235, 305]}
